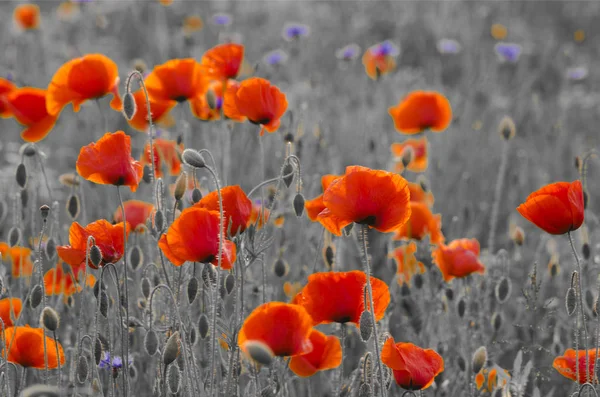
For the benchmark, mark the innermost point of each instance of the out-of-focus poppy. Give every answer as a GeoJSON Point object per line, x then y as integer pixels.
{"type": "Point", "coordinates": [27, 348]}
{"type": "Point", "coordinates": [177, 80]}
{"type": "Point", "coordinates": [376, 198]}
{"type": "Point", "coordinates": [223, 61]}
{"type": "Point", "coordinates": [20, 259]}
{"type": "Point", "coordinates": [414, 368]}
{"type": "Point", "coordinates": [28, 106]}
{"type": "Point", "coordinates": [6, 87]}
{"type": "Point", "coordinates": [418, 194]}
{"type": "Point", "coordinates": [260, 215]}
{"type": "Point", "coordinates": [421, 110]}
{"type": "Point", "coordinates": [10, 308]}
{"type": "Point", "coordinates": [419, 148]}
{"type": "Point", "coordinates": [57, 281]}
{"type": "Point", "coordinates": [291, 289]}
{"type": "Point", "coordinates": [566, 365]}
{"type": "Point", "coordinates": [208, 106]}
{"type": "Point", "coordinates": [192, 24]}
{"type": "Point", "coordinates": [496, 377]}
{"type": "Point", "coordinates": [380, 59]}
{"type": "Point", "coordinates": [27, 16]}
{"type": "Point", "coordinates": [108, 238]}
{"type": "Point", "coordinates": [315, 206]}
{"type": "Point", "coordinates": [136, 213]}
{"type": "Point", "coordinates": [458, 259]}
{"type": "Point", "coordinates": [109, 162]}
{"type": "Point", "coordinates": [557, 208]}
{"type": "Point", "coordinates": [407, 263]}
{"type": "Point", "coordinates": [422, 223]}
{"type": "Point", "coordinates": [194, 237]}
{"type": "Point", "coordinates": [498, 31]}
{"type": "Point", "coordinates": [326, 354]}
{"type": "Point", "coordinates": [261, 102]}
{"type": "Point", "coordinates": [284, 328]}
{"type": "Point", "coordinates": [340, 297]}
{"type": "Point", "coordinates": [166, 155]}
{"type": "Point", "coordinates": [165, 2]}
{"type": "Point", "coordinates": [67, 10]}
{"type": "Point", "coordinates": [237, 207]}
{"type": "Point", "coordinates": [158, 109]}
{"type": "Point", "coordinates": [89, 77]}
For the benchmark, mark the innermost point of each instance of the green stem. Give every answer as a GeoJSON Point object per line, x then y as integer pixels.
{"type": "Point", "coordinates": [580, 292]}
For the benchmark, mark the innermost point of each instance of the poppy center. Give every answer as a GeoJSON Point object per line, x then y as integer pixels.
{"type": "Point", "coordinates": [369, 220]}
{"type": "Point", "coordinates": [181, 98]}
{"type": "Point", "coordinates": [343, 320]}
{"type": "Point", "coordinates": [120, 181]}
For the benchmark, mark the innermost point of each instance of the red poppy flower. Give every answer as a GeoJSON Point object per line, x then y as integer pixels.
{"type": "Point", "coordinates": [166, 154]}
{"type": "Point", "coordinates": [237, 207]}
{"type": "Point", "coordinates": [109, 162]}
{"type": "Point", "coordinates": [90, 77]}
{"type": "Point", "coordinates": [6, 87]}
{"type": "Point", "coordinates": [20, 259]}
{"type": "Point", "coordinates": [208, 106]}
{"type": "Point", "coordinates": [177, 80]}
{"type": "Point", "coordinates": [379, 59]}
{"type": "Point", "coordinates": [27, 16]}
{"type": "Point", "coordinates": [136, 213]}
{"type": "Point", "coordinates": [418, 194]}
{"type": "Point", "coordinates": [422, 223]}
{"type": "Point", "coordinates": [566, 365]}
{"type": "Point", "coordinates": [259, 216]}
{"type": "Point", "coordinates": [57, 282]}
{"type": "Point", "coordinates": [376, 198]}
{"type": "Point", "coordinates": [339, 297]}
{"type": "Point", "coordinates": [407, 263]}
{"type": "Point", "coordinates": [261, 102]}
{"type": "Point", "coordinates": [158, 109]}
{"type": "Point", "coordinates": [230, 109]}
{"type": "Point", "coordinates": [223, 61]}
{"type": "Point", "coordinates": [108, 238]}
{"type": "Point", "coordinates": [414, 368]}
{"type": "Point", "coordinates": [284, 328]}
{"type": "Point", "coordinates": [556, 208]}
{"type": "Point", "coordinates": [194, 237]}
{"type": "Point", "coordinates": [326, 354]}
{"type": "Point", "coordinates": [421, 110]}
{"type": "Point", "coordinates": [315, 206]}
{"type": "Point", "coordinates": [27, 348]}
{"type": "Point", "coordinates": [419, 149]}
{"type": "Point", "coordinates": [10, 308]}
{"type": "Point", "coordinates": [28, 106]}
{"type": "Point", "coordinates": [458, 259]}
{"type": "Point", "coordinates": [496, 377]}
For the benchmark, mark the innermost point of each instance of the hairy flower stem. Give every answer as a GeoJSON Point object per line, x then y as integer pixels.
{"type": "Point", "coordinates": [21, 384]}
{"type": "Point", "coordinates": [125, 281]}
{"type": "Point", "coordinates": [581, 312]}
{"type": "Point", "coordinates": [338, 386]}
{"type": "Point", "coordinates": [41, 278]}
{"type": "Point", "coordinates": [498, 196]}
{"type": "Point", "coordinates": [57, 358]}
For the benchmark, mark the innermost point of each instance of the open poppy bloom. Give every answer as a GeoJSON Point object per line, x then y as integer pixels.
{"type": "Point", "coordinates": [380, 59]}
{"type": "Point", "coordinates": [28, 107]}
{"type": "Point", "coordinates": [422, 223]}
{"type": "Point", "coordinates": [458, 259]}
{"type": "Point", "coordinates": [339, 297]}
{"type": "Point", "coordinates": [108, 238]}
{"type": "Point", "coordinates": [237, 207]}
{"type": "Point", "coordinates": [27, 349]}
{"type": "Point", "coordinates": [27, 16]}
{"type": "Point", "coordinates": [91, 76]}
{"type": "Point", "coordinates": [158, 109]}
{"type": "Point", "coordinates": [421, 110]}
{"type": "Point", "coordinates": [419, 149]}
{"type": "Point", "coordinates": [414, 368]}
{"type": "Point", "coordinates": [177, 80]}
{"type": "Point", "coordinates": [208, 106]}
{"type": "Point", "coordinates": [223, 61]}
{"type": "Point", "coordinates": [260, 215]}
{"type": "Point", "coordinates": [20, 259]}
{"type": "Point", "coordinates": [57, 281]}
{"type": "Point", "coordinates": [136, 213]}
{"type": "Point", "coordinates": [261, 102]}
{"type": "Point", "coordinates": [556, 208]}
{"type": "Point", "coordinates": [230, 109]}
{"type": "Point", "coordinates": [166, 155]}
{"type": "Point", "coordinates": [6, 87]}
{"type": "Point", "coordinates": [10, 308]}
{"type": "Point", "coordinates": [376, 198]}
{"type": "Point", "coordinates": [109, 162]}
{"type": "Point", "coordinates": [326, 354]}
{"type": "Point", "coordinates": [283, 328]}
{"type": "Point", "coordinates": [406, 263]}
{"type": "Point", "coordinates": [315, 206]}
{"type": "Point", "coordinates": [194, 237]}
{"type": "Point", "coordinates": [566, 365]}
{"type": "Point", "coordinates": [418, 194]}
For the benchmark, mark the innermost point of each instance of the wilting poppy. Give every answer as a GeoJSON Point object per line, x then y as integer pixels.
{"type": "Point", "coordinates": [20, 259]}
{"type": "Point", "coordinates": [194, 237]}
{"type": "Point", "coordinates": [315, 206]}
{"type": "Point", "coordinates": [6, 87]}
{"type": "Point", "coordinates": [414, 368]}
{"type": "Point", "coordinates": [284, 328]}
{"type": "Point", "coordinates": [566, 365]}
{"type": "Point", "coordinates": [108, 238]}
{"type": "Point", "coordinates": [458, 259]}
{"type": "Point", "coordinates": [166, 156]}
{"type": "Point", "coordinates": [557, 208]}
{"type": "Point", "coordinates": [27, 16]}
{"type": "Point", "coordinates": [136, 213]}
{"type": "Point", "coordinates": [339, 297]}
{"type": "Point", "coordinates": [421, 110]}
{"type": "Point", "coordinates": [28, 106]}
{"type": "Point", "coordinates": [261, 102]}
{"type": "Point", "coordinates": [406, 263]}
{"type": "Point", "coordinates": [380, 59]}
{"type": "Point", "coordinates": [419, 148]}
{"type": "Point", "coordinates": [237, 207]}
{"type": "Point", "coordinates": [89, 77]}
{"type": "Point", "coordinates": [27, 348]}
{"type": "Point", "coordinates": [192, 24]}
{"type": "Point", "coordinates": [109, 162]}
{"type": "Point", "coordinates": [177, 80]}
{"type": "Point", "coordinates": [326, 354]}
{"type": "Point", "coordinates": [422, 223]}
{"type": "Point", "coordinates": [223, 61]}
{"type": "Point", "coordinates": [57, 281]}
{"type": "Point", "coordinates": [418, 194]}
{"type": "Point", "coordinates": [158, 109]}
{"type": "Point", "coordinates": [376, 198]}
{"type": "Point", "coordinates": [10, 308]}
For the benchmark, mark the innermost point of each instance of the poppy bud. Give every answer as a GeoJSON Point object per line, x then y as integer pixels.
{"type": "Point", "coordinates": [196, 195]}
{"type": "Point", "coordinates": [496, 321]}
{"type": "Point", "coordinates": [229, 283]}
{"type": "Point", "coordinates": [173, 379]}
{"type": "Point", "coordinates": [418, 279]}
{"type": "Point", "coordinates": [95, 255]}
{"type": "Point", "coordinates": [36, 296]}
{"type": "Point", "coordinates": [211, 99]}
{"type": "Point", "coordinates": [479, 359]}
{"type": "Point", "coordinates": [365, 325]}
{"type": "Point", "coordinates": [571, 301]}
{"type": "Point", "coordinates": [151, 342]}
{"type": "Point", "coordinates": [462, 364]}
{"type": "Point", "coordinates": [147, 174]}
{"type": "Point", "coordinates": [50, 249]}
{"type": "Point", "coordinates": [589, 299]}
{"type": "Point", "coordinates": [449, 293]}
{"type": "Point", "coordinates": [103, 296]}
{"type": "Point", "coordinates": [82, 369]}
{"type": "Point", "coordinates": [280, 268]}
{"type": "Point", "coordinates": [288, 174]}
{"type": "Point", "coordinates": [129, 106]}
{"type": "Point", "coordinates": [192, 158]}
{"type": "Point", "coordinates": [203, 326]}
{"type": "Point", "coordinates": [49, 319]}
{"type": "Point", "coordinates": [146, 287]}
{"type": "Point", "coordinates": [518, 235]}
{"type": "Point", "coordinates": [180, 186]}
{"type": "Point", "coordinates": [44, 212]}
{"type": "Point", "coordinates": [507, 128]}
{"type": "Point", "coordinates": [14, 236]}
{"type": "Point", "coordinates": [365, 390]}
{"type": "Point", "coordinates": [192, 289]}
{"type": "Point", "coordinates": [172, 349]}
{"type": "Point", "coordinates": [97, 350]}
{"type": "Point", "coordinates": [299, 204]}
{"type": "Point", "coordinates": [159, 220]}
{"type": "Point", "coordinates": [28, 150]}
{"type": "Point", "coordinates": [461, 307]}
{"type": "Point", "coordinates": [503, 289]}
{"type": "Point", "coordinates": [366, 368]}
{"type": "Point", "coordinates": [329, 256]}
{"type": "Point", "coordinates": [424, 183]}
{"type": "Point", "coordinates": [407, 156]}
{"type": "Point", "coordinates": [73, 206]}
{"type": "Point", "coordinates": [21, 175]}
{"type": "Point", "coordinates": [585, 251]}
{"type": "Point", "coordinates": [136, 257]}
{"type": "Point", "coordinates": [193, 335]}
{"type": "Point", "coordinates": [259, 352]}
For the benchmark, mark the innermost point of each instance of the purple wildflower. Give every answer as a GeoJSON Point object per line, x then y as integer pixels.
{"type": "Point", "coordinates": [295, 31]}
{"type": "Point", "coordinates": [448, 46]}
{"type": "Point", "coordinates": [348, 53]}
{"type": "Point", "coordinates": [222, 19]}
{"type": "Point", "coordinates": [275, 58]}
{"type": "Point", "coordinates": [577, 73]}
{"type": "Point", "coordinates": [117, 362]}
{"type": "Point", "coordinates": [385, 48]}
{"type": "Point", "coordinates": [508, 52]}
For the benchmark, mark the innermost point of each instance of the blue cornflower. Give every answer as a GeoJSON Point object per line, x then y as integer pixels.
{"type": "Point", "coordinates": [295, 31]}
{"type": "Point", "coordinates": [385, 48]}
{"type": "Point", "coordinates": [117, 362]}
{"type": "Point", "coordinates": [348, 53]}
{"type": "Point", "coordinates": [448, 46]}
{"type": "Point", "coordinates": [508, 52]}
{"type": "Point", "coordinates": [276, 58]}
{"type": "Point", "coordinates": [577, 73]}
{"type": "Point", "coordinates": [222, 19]}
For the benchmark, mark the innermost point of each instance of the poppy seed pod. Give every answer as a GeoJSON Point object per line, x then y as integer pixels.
{"type": "Point", "coordinates": [479, 359]}
{"type": "Point", "coordinates": [259, 352]}
{"type": "Point", "coordinates": [151, 342]}
{"type": "Point", "coordinates": [192, 289]}
{"type": "Point", "coordinates": [507, 128]}
{"type": "Point", "coordinates": [299, 204]}
{"type": "Point", "coordinates": [36, 296]}
{"type": "Point", "coordinates": [180, 186]}
{"type": "Point", "coordinates": [82, 369]}
{"type": "Point", "coordinates": [172, 349]}
{"type": "Point", "coordinates": [365, 325]}
{"type": "Point", "coordinates": [44, 212]}
{"type": "Point", "coordinates": [129, 106]}
{"type": "Point", "coordinates": [21, 176]}
{"type": "Point", "coordinates": [192, 158]}
{"type": "Point", "coordinates": [49, 319]}
{"type": "Point", "coordinates": [203, 326]}
{"type": "Point", "coordinates": [95, 255]}
{"type": "Point", "coordinates": [571, 301]}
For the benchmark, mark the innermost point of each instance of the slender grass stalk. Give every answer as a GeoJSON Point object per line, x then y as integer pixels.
{"type": "Point", "coordinates": [125, 281]}
{"type": "Point", "coordinates": [338, 386]}
{"type": "Point", "coordinates": [498, 196]}
{"type": "Point", "coordinates": [21, 384]}
{"type": "Point", "coordinates": [581, 312]}
{"type": "Point", "coordinates": [57, 358]}
{"type": "Point", "coordinates": [41, 278]}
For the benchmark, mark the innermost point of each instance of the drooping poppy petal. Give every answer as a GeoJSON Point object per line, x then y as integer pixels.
{"type": "Point", "coordinates": [283, 327]}
{"type": "Point", "coordinates": [380, 59]}
{"type": "Point", "coordinates": [167, 155]}
{"type": "Point", "coordinates": [136, 213]}
{"type": "Point", "coordinates": [223, 61]}
{"type": "Point", "coordinates": [237, 207]}
{"type": "Point", "coordinates": [108, 162]}
{"type": "Point", "coordinates": [6, 87]}
{"type": "Point", "coordinates": [27, 16]}
{"type": "Point", "coordinates": [458, 259]}
{"type": "Point", "coordinates": [557, 208]}
{"type": "Point", "coordinates": [418, 194]}
{"type": "Point", "coordinates": [27, 348]}
{"type": "Point", "coordinates": [406, 262]}
{"type": "Point", "coordinates": [422, 223]}
{"type": "Point", "coordinates": [57, 281]}
{"type": "Point", "coordinates": [259, 216]}
{"type": "Point", "coordinates": [177, 80]}
{"type": "Point", "coordinates": [326, 354]}
{"type": "Point", "coordinates": [19, 258]}
{"type": "Point", "coordinates": [158, 109]}
{"type": "Point", "coordinates": [566, 365]}
{"type": "Point", "coordinates": [414, 368]}
{"type": "Point", "coordinates": [10, 308]}
{"type": "Point", "coordinates": [28, 106]}
{"type": "Point", "coordinates": [421, 110]}
{"type": "Point", "coordinates": [261, 102]}
{"type": "Point", "coordinates": [230, 109]}
{"type": "Point", "coordinates": [91, 76]}
{"type": "Point", "coordinates": [315, 206]}
{"type": "Point", "coordinates": [419, 148]}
